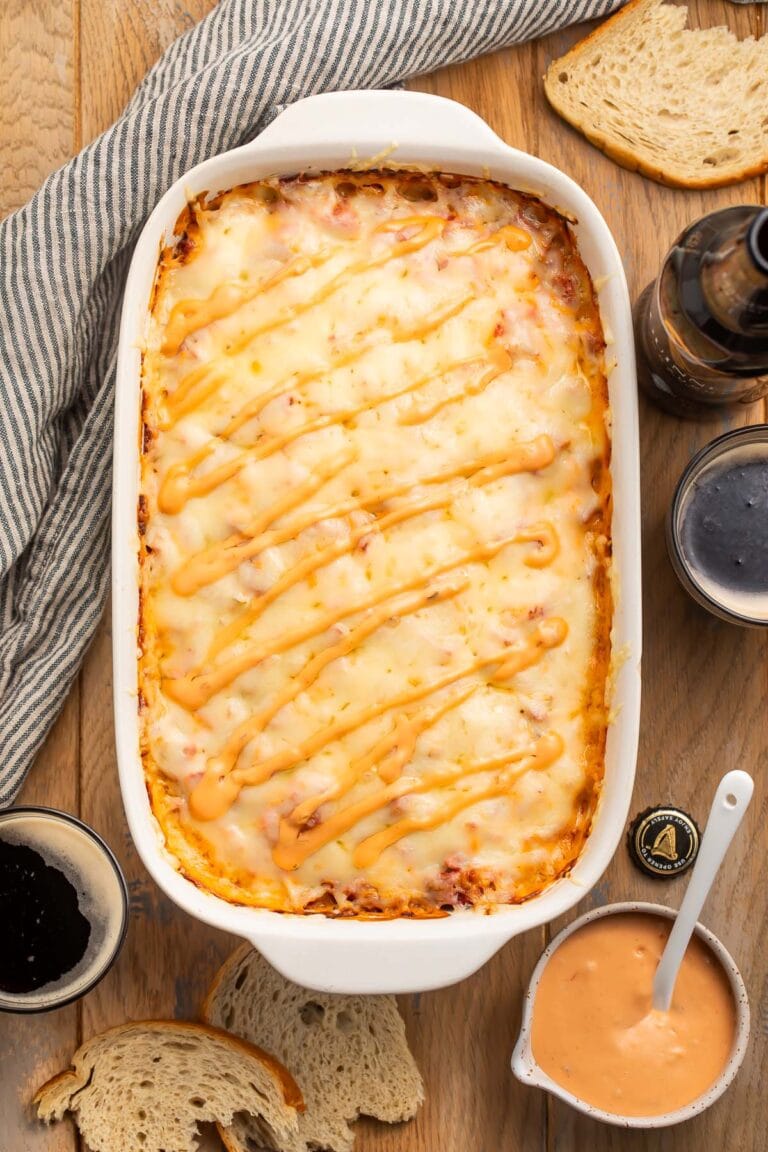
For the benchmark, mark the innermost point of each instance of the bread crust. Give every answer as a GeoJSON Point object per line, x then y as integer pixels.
{"type": "Point", "coordinates": [633, 163]}
{"type": "Point", "coordinates": [230, 1144]}
{"type": "Point", "coordinates": [223, 970]}
{"type": "Point", "coordinates": [290, 1090]}
{"type": "Point", "coordinates": [54, 1083]}
{"type": "Point", "coordinates": [617, 152]}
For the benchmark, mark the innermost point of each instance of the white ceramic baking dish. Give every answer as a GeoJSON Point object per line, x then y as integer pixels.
{"type": "Point", "coordinates": [394, 129]}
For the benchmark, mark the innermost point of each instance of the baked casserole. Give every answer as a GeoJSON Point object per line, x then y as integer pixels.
{"type": "Point", "coordinates": [375, 545]}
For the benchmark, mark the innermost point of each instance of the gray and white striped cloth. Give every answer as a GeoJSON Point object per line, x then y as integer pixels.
{"type": "Point", "coordinates": [63, 259]}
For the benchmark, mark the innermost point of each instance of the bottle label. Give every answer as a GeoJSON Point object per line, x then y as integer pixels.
{"type": "Point", "coordinates": [669, 375]}
{"type": "Point", "coordinates": [683, 377]}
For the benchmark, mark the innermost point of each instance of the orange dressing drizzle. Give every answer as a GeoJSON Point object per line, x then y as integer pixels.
{"type": "Point", "coordinates": [231, 632]}
{"type": "Point", "coordinates": [535, 759]}
{"type": "Point", "coordinates": [544, 535]}
{"type": "Point", "coordinates": [189, 316]}
{"type": "Point", "coordinates": [290, 757]}
{"type": "Point", "coordinates": [501, 362]}
{"type": "Point", "coordinates": [389, 755]}
{"type": "Point", "coordinates": [550, 633]}
{"type": "Point", "coordinates": [543, 637]}
{"type": "Point", "coordinates": [252, 727]}
{"type": "Point", "coordinates": [197, 386]}
{"type": "Point", "coordinates": [294, 846]}
{"type": "Point", "coordinates": [215, 793]}
{"type": "Point", "coordinates": [193, 390]}
{"type": "Point", "coordinates": [178, 485]}
{"type": "Point", "coordinates": [195, 689]}
{"type": "Point", "coordinates": [429, 228]}
{"type": "Point", "coordinates": [516, 240]}
{"type": "Point", "coordinates": [215, 562]}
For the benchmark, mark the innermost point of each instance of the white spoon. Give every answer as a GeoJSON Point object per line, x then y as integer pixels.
{"type": "Point", "coordinates": [731, 802]}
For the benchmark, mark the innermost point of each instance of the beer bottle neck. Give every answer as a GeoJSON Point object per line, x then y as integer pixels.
{"type": "Point", "coordinates": [734, 280]}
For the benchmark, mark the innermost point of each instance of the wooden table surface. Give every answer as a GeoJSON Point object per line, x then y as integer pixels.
{"type": "Point", "coordinates": [67, 68]}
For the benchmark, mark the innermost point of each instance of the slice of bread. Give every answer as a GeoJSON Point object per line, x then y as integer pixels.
{"type": "Point", "coordinates": [349, 1053]}
{"type": "Point", "coordinates": [145, 1087]}
{"type": "Point", "coordinates": [686, 107]}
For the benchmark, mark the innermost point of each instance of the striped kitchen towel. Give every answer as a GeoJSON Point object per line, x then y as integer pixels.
{"type": "Point", "coordinates": [63, 259]}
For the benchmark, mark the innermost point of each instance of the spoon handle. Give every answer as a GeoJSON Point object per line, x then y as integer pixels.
{"type": "Point", "coordinates": [731, 802]}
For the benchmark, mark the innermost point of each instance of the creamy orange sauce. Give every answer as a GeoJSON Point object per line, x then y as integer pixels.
{"type": "Point", "coordinates": [596, 1033]}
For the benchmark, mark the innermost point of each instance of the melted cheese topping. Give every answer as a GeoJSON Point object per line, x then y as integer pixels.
{"type": "Point", "coordinates": [375, 524]}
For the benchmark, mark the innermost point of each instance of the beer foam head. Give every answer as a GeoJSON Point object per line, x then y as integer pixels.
{"type": "Point", "coordinates": [75, 850]}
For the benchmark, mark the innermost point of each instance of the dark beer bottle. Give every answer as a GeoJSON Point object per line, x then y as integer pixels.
{"type": "Point", "coordinates": [702, 326]}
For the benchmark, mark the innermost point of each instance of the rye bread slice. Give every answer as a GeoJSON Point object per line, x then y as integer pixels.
{"type": "Point", "coordinates": [349, 1054]}
{"type": "Point", "coordinates": [144, 1087]}
{"type": "Point", "coordinates": [687, 107]}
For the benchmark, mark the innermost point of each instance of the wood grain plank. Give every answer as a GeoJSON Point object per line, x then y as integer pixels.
{"type": "Point", "coordinates": [120, 40]}
{"type": "Point", "coordinates": [37, 127]}
{"type": "Point", "coordinates": [169, 958]}
{"type": "Point", "coordinates": [37, 86]}
{"type": "Point", "coordinates": [462, 1038]}
{"type": "Point", "coordinates": [704, 682]}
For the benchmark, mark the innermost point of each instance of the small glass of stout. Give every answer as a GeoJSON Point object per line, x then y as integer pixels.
{"type": "Point", "coordinates": [717, 527]}
{"type": "Point", "coordinates": [63, 909]}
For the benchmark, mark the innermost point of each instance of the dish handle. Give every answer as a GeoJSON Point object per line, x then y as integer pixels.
{"type": "Point", "coordinates": [392, 118]}
{"type": "Point", "coordinates": [375, 965]}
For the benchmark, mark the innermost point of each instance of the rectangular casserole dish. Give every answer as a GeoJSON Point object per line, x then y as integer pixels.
{"type": "Point", "coordinates": [427, 132]}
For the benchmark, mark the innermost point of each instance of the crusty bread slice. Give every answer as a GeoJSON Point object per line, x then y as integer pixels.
{"type": "Point", "coordinates": [686, 107]}
{"type": "Point", "coordinates": [349, 1053]}
{"type": "Point", "coordinates": [145, 1087]}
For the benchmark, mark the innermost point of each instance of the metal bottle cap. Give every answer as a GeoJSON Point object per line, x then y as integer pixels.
{"type": "Point", "coordinates": [663, 842]}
